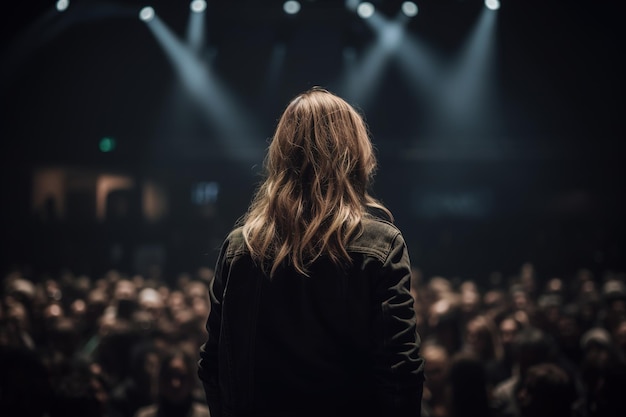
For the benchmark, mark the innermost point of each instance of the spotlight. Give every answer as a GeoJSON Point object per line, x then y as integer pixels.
{"type": "Point", "coordinates": [492, 4]}
{"type": "Point", "coordinates": [365, 10]}
{"type": "Point", "coordinates": [195, 25]}
{"type": "Point", "coordinates": [409, 8]}
{"type": "Point", "coordinates": [352, 4]}
{"type": "Point", "coordinates": [291, 7]}
{"type": "Point", "coordinates": [197, 6]}
{"type": "Point", "coordinates": [62, 5]}
{"type": "Point", "coordinates": [146, 14]}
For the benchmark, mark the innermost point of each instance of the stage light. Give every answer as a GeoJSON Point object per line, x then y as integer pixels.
{"type": "Point", "coordinates": [492, 4]}
{"type": "Point", "coordinates": [146, 14]}
{"type": "Point", "coordinates": [107, 145]}
{"type": "Point", "coordinates": [391, 36]}
{"type": "Point", "coordinates": [352, 4]}
{"type": "Point", "coordinates": [197, 6]}
{"type": "Point", "coordinates": [62, 5]}
{"type": "Point", "coordinates": [362, 77]}
{"type": "Point", "coordinates": [291, 7]}
{"type": "Point", "coordinates": [468, 98]}
{"type": "Point", "coordinates": [203, 87]}
{"type": "Point", "coordinates": [409, 8]}
{"type": "Point", "coordinates": [195, 25]}
{"type": "Point", "coordinates": [365, 10]}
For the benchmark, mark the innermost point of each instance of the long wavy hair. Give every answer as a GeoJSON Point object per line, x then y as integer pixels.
{"type": "Point", "coordinates": [318, 168]}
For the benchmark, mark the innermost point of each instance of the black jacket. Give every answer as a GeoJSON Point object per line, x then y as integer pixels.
{"type": "Point", "coordinates": [341, 342]}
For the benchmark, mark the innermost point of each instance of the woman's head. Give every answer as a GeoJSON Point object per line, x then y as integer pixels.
{"type": "Point", "coordinates": [321, 144]}
{"type": "Point", "coordinates": [318, 169]}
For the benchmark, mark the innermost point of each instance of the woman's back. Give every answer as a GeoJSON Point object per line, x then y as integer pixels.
{"type": "Point", "coordinates": [311, 309]}
{"type": "Point", "coordinates": [312, 341]}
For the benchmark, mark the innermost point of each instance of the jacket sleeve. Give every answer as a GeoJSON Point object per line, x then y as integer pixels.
{"type": "Point", "coordinates": [398, 368]}
{"type": "Point", "coordinates": [208, 365]}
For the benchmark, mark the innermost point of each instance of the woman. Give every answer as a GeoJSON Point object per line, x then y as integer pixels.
{"type": "Point", "coordinates": [311, 310]}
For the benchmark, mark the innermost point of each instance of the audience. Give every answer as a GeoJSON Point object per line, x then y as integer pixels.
{"type": "Point", "coordinates": [546, 391]}
{"type": "Point", "coordinates": [435, 398]}
{"type": "Point", "coordinates": [468, 387]}
{"type": "Point", "coordinates": [483, 341]}
{"type": "Point", "coordinates": [176, 383]}
{"type": "Point", "coordinates": [125, 345]}
{"type": "Point", "coordinates": [140, 387]}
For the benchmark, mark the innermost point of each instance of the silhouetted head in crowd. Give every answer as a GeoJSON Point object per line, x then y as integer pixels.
{"type": "Point", "coordinates": [614, 297]}
{"type": "Point", "coordinates": [495, 298]}
{"type": "Point", "coordinates": [482, 338]}
{"type": "Point", "coordinates": [52, 289]}
{"type": "Point", "coordinates": [125, 299]}
{"type": "Point", "coordinates": [113, 353]}
{"type": "Point", "coordinates": [96, 300]}
{"type": "Point", "coordinates": [569, 330]}
{"type": "Point", "coordinates": [546, 391]}
{"type": "Point", "coordinates": [555, 286]}
{"type": "Point", "coordinates": [439, 287]}
{"type": "Point", "coordinates": [527, 278]}
{"type": "Point", "coordinates": [18, 312]}
{"type": "Point", "coordinates": [176, 302]}
{"type": "Point", "coordinates": [619, 337]}
{"type": "Point", "coordinates": [177, 379]}
{"type": "Point", "coordinates": [520, 298]}
{"type": "Point", "coordinates": [21, 290]}
{"type": "Point", "coordinates": [140, 387]}
{"type": "Point", "coordinates": [437, 363]}
{"type": "Point", "coordinates": [470, 299]}
{"type": "Point", "coordinates": [199, 305]}
{"type": "Point", "coordinates": [468, 387]}
{"type": "Point", "coordinates": [63, 337]}
{"type": "Point", "coordinates": [145, 360]}
{"type": "Point", "coordinates": [444, 325]}
{"type": "Point", "coordinates": [509, 328]}
{"type": "Point", "coordinates": [182, 280]}
{"type": "Point", "coordinates": [598, 358]}
{"type": "Point", "coordinates": [532, 346]}
{"type": "Point", "coordinates": [151, 301]}
{"type": "Point", "coordinates": [550, 305]}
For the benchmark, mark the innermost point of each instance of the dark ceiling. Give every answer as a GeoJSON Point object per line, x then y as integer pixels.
{"type": "Point", "coordinates": [69, 79]}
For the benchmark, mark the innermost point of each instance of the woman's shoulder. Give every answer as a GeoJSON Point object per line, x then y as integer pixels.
{"type": "Point", "coordinates": [234, 242]}
{"type": "Point", "coordinates": [235, 235]}
{"type": "Point", "coordinates": [377, 237]}
{"type": "Point", "coordinates": [373, 222]}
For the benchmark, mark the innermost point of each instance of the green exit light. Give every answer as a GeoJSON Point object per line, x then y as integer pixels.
{"type": "Point", "coordinates": [107, 144]}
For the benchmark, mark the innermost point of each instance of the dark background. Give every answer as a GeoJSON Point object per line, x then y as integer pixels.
{"type": "Point", "coordinates": [542, 181]}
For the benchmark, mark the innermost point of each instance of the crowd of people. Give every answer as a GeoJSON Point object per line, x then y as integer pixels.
{"type": "Point", "coordinates": [525, 346]}
{"type": "Point", "coordinates": [117, 346]}
{"type": "Point", "coordinates": [126, 346]}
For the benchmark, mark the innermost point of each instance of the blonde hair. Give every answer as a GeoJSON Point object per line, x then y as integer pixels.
{"type": "Point", "coordinates": [318, 168]}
